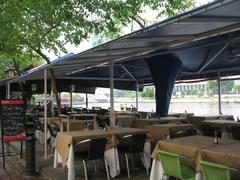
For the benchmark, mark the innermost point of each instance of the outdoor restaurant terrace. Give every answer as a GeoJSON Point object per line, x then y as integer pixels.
{"type": "Point", "coordinates": [193, 46]}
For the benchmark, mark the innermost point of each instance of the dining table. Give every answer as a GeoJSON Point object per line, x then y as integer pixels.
{"type": "Point", "coordinates": [87, 118]}
{"type": "Point", "coordinates": [142, 123]}
{"type": "Point", "coordinates": [125, 120]}
{"type": "Point", "coordinates": [228, 155]}
{"type": "Point", "coordinates": [163, 131]}
{"type": "Point", "coordinates": [196, 120]}
{"type": "Point", "coordinates": [223, 125]}
{"type": "Point", "coordinates": [193, 149]}
{"type": "Point", "coordinates": [64, 148]}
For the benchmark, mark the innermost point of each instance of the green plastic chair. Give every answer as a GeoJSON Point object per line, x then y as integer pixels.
{"type": "Point", "coordinates": [213, 171]}
{"type": "Point", "coordinates": [172, 166]}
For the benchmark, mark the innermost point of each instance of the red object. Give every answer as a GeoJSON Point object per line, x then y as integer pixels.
{"type": "Point", "coordinates": [19, 137]}
{"type": "Point", "coordinates": [12, 102]}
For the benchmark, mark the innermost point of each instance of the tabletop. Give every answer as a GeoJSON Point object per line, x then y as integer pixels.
{"type": "Point", "coordinates": [228, 155]}
{"type": "Point", "coordinates": [225, 125]}
{"type": "Point", "coordinates": [65, 139]}
{"type": "Point", "coordinates": [220, 121]}
{"type": "Point", "coordinates": [161, 131]}
{"type": "Point", "coordinates": [190, 147]}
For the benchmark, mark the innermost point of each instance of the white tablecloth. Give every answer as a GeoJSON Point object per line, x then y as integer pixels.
{"type": "Point", "coordinates": [40, 136]}
{"type": "Point", "coordinates": [111, 156]}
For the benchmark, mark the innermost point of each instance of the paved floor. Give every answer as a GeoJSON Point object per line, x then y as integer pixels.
{"type": "Point", "coordinates": [9, 173]}
{"type": "Point", "coordinates": [47, 172]}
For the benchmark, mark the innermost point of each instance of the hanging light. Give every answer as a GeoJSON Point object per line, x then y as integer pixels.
{"type": "Point", "coordinates": [34, 87]}
{"type": "Point", "coordinates": [233, 55]}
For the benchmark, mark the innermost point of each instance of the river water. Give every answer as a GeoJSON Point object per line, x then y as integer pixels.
{"type": "Point", "coordinates": [198, 108]}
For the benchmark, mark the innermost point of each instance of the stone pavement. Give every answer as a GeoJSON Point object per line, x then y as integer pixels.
{"type": "Point", "coordinates": [9, 173]}
{"type": "Point", "coordinates": [47, 172]}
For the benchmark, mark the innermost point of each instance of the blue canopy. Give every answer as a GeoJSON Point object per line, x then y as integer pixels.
{"type": "Point", "coordinates": [195, 37]}
{"type": "Point", "coordinates": [205, 40]}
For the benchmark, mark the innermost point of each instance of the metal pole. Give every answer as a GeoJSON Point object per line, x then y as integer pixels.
{"type": "Point", "coordinates": [111, 82]}
{"type": "Point", "coordinates": [52, 106]}
{"type": "Point", "coordinates": [71, 98]}
{"type": "Point", "coordinates": [137, 86]}
{"type": "Point", "coordinates": [45, 114]}
{"type": "Point", "coordinates": [213, 58]}
{"type": "Point", "coordinates": [86, 100]}
{"type": "Point", "coordinates": [8, 95]}
{"type": "Point", "coordinates": [219, 93]}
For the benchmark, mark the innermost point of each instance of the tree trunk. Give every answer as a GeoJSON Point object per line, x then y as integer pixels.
{"type": "Point", "coordinates": [55, 92]}
{"type": "Point", "coordinates": [16, 66]}
{"type": "Point", "coordinates": [53, 80]}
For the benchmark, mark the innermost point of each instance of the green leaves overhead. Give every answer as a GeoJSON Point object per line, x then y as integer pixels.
{"type": "Point", "coordinates": [34, 26]}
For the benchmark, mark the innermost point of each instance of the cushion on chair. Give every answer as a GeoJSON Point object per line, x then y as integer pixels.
{"type": "Point", "coordinates": [19, 137]}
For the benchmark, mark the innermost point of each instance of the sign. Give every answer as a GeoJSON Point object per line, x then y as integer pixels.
{"type": "Point", "coordinates": [34, 87]}
{"type": "Point", "coordinates": [13, 117]}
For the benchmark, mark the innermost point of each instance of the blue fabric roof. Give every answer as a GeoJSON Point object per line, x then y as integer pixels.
{"type": "Point", "coordinates": [195, 37]}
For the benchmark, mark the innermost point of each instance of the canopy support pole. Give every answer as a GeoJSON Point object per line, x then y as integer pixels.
{"type": "Point", "coordinates": [86, 100]}
{"type": "Point", "coordinates": [52, 106]}
{"type": "Point", "coordinates": [213, 58]}
{"type": "Point", "coordinates": [219, 93]}
{"type": "Point", "coordinates": [45, 114]}
{"type": "Point", "coordinates": [112, 112]}
{"type": "Point", "coordinates": [71, 98]}
{"type": "Point", "coordinates": [137, 86]}
{"type": "Point", "coordinates": [8, 94]}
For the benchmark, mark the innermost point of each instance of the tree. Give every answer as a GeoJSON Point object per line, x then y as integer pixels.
{"type": "Point", "coordinates": [226, 87]}
{"type": "Point", "coordinates": [19, 62]}
{"type": "Point", "coordinates": [148, 92]}
{"type": "Point", "coordinates": [236, 88]}
{"type": "Point", "coordinates": [39, 27]}
{"type": "Point", "coordinates": [212, 87]}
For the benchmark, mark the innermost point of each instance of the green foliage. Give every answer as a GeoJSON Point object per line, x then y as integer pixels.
{"type": "Point", "coordinates": [34, 26]}
{"type": "Point", "coordinates": [236, 88]}
{"type": "Point", "coordinates": [124, 93]}
{"type": "Point", "coordinates": [212, 87]}
{"type": "Point", "coordinates": [20, 61]}
{"type": "Point", "coordinates": [148, 92]}
{"type": "Point", "coordinates": [169, 7]}
{"type": "Point", "coordinates": [182, 94]}
{"type": "Point", "coordinates": [200, 93]}
{"type": "Point", "coordinates": [226, 87]}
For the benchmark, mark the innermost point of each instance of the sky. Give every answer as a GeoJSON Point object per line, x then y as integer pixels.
{"type": "Point", "coordinates": [87, 44]}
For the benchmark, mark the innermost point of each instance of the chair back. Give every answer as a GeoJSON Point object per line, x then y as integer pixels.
{"type": "Point", "coordinates": [170, 163]}
{"type": "Point", "coordinates": [189, 132]}
{"type": "Point", "coordinates": [41, 126]}
{"type": "Point", "coordinates": [96, 148]}
{"type": "Point", "coordinates": [235, 132]}
{"type": "Point", "coordinates": [36, 124]}
{"type": "Point", "coordinates": [212, 171]}
{"type": "Point", "coordinates": [53, 130]}
{"type": "Point", "coordinates": [137, 142]}
{"type": "Point", "coordinates": [208, 130]}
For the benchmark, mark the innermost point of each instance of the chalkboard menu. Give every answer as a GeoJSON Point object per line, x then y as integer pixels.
{"type": "Point", "coordinates": [13, 117]}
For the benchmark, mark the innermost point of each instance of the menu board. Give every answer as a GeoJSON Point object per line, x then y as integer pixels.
{"type": "Point", "coordinates": [13, 117]}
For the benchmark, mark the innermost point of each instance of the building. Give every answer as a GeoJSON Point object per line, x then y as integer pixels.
{"type": "Point", "coordinates": [191, 87]}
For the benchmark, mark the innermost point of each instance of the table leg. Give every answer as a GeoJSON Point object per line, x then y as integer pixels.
{"type": "Point", "coordinates": [70, 164]}
{"type": "Point", "coordinates": [55, 163]}
{"type": "Point", "coordinates": [199, 176]}
{"type": "Point", "coordinates": [61, 125]}
{"type": "Point", "coordinates": [156, 170]}
{"type": "Point", "coordinates": [111, 157]}
{"type": "Point", "coordinates": [147, 159]}
{"type": "Point", "coordinates": [68, 126]}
